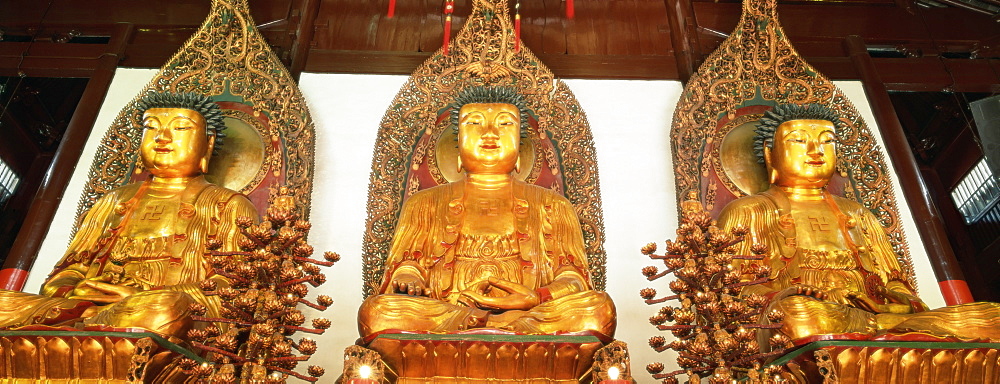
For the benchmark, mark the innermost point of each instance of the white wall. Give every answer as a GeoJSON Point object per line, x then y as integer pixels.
{"type": "Point", "coordinates": [630, 121]}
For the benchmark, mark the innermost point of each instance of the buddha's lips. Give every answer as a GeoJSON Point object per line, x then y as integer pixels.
{"type": "Point", "coordinates": [816, 162]}
{"type": "Point", "coordinates": [489, 146]}
{"type": "Point", "coordinates": [162, 150]}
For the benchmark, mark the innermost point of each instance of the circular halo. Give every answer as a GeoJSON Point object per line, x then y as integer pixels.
{"type": "Point", "coordinates": [238, 164]}
{"type": "Point", "coordinates": [739, 163]}
{"type": "Point", "coordinates": [446, 154]}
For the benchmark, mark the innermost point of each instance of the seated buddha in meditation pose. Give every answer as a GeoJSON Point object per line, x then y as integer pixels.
{"type": "Point", "coordinates": [138, 256]}
{"type": "Point", "coordinates": [833, 268]}
{"type": "Point", "coordinates": [489, 250]}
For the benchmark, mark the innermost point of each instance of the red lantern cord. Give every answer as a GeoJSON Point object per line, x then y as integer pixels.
{"type": "Point", "coordinates": [449, 7]}
{"type": "Point", "coordinates": [569, 9]}
{"type": "Point", "coordinates": [517, 27]}
{"type": "Point", "coordinates": [392, 8]}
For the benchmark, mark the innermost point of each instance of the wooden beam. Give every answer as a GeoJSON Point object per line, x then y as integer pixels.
{"type": "Point", "coordinates": [303, 37]}
{"type": "Point", "coordinates": [683, 37]}
{"type": "Point", "coordinates": [650, 67]}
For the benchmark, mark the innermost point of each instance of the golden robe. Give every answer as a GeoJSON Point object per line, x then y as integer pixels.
{"type": "Point", "coordinates": [546, 245]}
{"type": "Point", "coordinates": [165, 269]}
{"type": "Point", "coordinates": [865, 266]}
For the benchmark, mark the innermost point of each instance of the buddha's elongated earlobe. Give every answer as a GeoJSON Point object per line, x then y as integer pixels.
{"type": "Point", "coordinates": [203, 163]}
{"type": "Point", "coordinates": [772, 173]}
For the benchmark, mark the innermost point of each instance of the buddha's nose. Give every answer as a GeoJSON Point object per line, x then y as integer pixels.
{"type": "Point", "coordinates": [491, 132]}
{"type": "Point", "coordinates": [813, 148]}
{"type": "Point", "coordinates": [163, 136]}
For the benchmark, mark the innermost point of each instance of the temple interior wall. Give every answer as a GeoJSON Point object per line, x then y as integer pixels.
{"type": "Point", "coordinates": [630, 121]}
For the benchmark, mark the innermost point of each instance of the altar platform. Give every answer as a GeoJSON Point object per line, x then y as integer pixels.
{"type": "Point", "coordinates": [43, 354]}
{"type": "Point", "coordinates": [894, 361]}
{"type": "Point", "coordinates": [486, 356]}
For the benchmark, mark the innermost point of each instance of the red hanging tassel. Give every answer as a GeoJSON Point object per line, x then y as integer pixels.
{"type": "Point", "coordinates": [569, 9]}
{"type": "Point", "coordinates": [517, 27]}
{"type": "Point", "coordinates": [449, 7]}
{"type": "Point", "coordinates": [392, 8]}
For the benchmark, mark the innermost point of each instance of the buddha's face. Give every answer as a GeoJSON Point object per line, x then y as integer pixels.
{"type": "Point", "coordinates": [489, 135]}
{"type": "Point", "coordinates": [803, 153]}
{"type": "Point", "coordinates": [174, 142]}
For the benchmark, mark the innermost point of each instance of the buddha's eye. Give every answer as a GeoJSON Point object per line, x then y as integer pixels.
{"type": "Point", "coordinates": [182, 123]}
{"type": "Point", "coordinates": [472, 120]}
{"type": "Point", "coordinates": [795, 137]}
{"type": "Point", "coordinates": [827, 138]}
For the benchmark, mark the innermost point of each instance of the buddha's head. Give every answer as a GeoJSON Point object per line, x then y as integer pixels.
{"type": "Point", "coordinates": [798, 144]}
{"type": "Point", "coordinates": [490, 122]}
{"type": "Point", "coordinates": [180, 132]}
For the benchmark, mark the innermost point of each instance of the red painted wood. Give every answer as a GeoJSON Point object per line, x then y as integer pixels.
{"type": "Point", "coordinates": [955, 292]}
{"type": "Point", "coordinates": [13, 279]}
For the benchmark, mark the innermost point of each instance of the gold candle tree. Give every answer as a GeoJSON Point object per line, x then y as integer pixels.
{"type": "Point", "coordinates": [716, 327]}
{"type": "Point", "coordinates": [251, 339]}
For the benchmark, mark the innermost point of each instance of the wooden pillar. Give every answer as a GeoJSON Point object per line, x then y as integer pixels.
{"type": "Point", "coordinates": [43, 208]}
{"type": "Point", "coordinates": [683, 37]}
{"type": "Point", "coordinates": [928, 219]}
{"type": "Point", "coordinates": [303, 37]}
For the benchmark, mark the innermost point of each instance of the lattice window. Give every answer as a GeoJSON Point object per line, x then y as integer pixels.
{"type": "Point", "coordinates": [977, 193]}
{"type": "Point", "coordinates": [8, 182]}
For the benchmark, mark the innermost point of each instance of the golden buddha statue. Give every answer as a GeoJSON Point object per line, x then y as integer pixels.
{"type": "Point", "coordinates": [138, 256]}
{"type": "Point", "coordinates": [488, 251]}
{"type": "Point", "coordinates": [833, 269]}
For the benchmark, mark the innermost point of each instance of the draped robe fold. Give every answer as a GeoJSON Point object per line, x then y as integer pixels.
{"type": "Point", "coordinates": [546, 247]}
{"type": "Point", "coordinates": [165, 269]}
{"type": "Point", "coordinates": [859, 270]}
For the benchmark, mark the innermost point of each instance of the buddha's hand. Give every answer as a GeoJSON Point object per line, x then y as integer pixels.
{"type": "Point", "coordinates": [408, 284]}
{"type": "Point", "coordinates": [105, 293]}
{"type": "Point", "coordinates": [864, 302]}
{"type": "Point", "coordinates": [897, 302]}
{"type": "Point", "coordinates": [800, 290]}
{"type": "Point", "coordinates": [82, 289]}
{"type": "Point", "coordinates": [518, 297]}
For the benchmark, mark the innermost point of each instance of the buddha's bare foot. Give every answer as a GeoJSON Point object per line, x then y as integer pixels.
{"type": "Point", "coordinates": [503, 320]}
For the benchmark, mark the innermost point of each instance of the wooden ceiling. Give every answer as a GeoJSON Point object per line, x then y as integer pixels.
{"type": "Point", "coordinates": [606, 38]}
